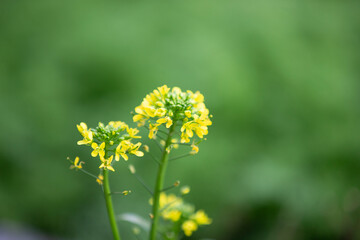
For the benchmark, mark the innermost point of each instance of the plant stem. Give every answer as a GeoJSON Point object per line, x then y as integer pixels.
{"type": "Point", "coordinates": [109, 205]}
{"type": "Point", "coordinates": [159, 184]}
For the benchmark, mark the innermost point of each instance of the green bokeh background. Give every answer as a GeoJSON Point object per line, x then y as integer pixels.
{"type": "Point", "coordinates": [281, 78]}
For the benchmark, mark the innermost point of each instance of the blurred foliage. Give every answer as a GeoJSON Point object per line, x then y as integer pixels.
{"type": "Point", "coordinates": [281, 79]}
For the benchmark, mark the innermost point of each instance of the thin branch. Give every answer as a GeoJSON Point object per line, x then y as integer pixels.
{"type": "Point", "coordinates": [90, 174]}
{"type": "Point", "coordinates": [186, 144]}
{"type": "Point", "coordinates": [122, 193]}
{"type": "Point", "coordinates": [181, 156]}
{"type": "Point", "coordinates": [170, 187]}
{"type": "Point", "coordinates": [143, 183]}
{"type": "Point", "coordinates": [154, 158]}
{"type": "Point", "coordinates": [158, 136]}
{"type": "Point", "coordinates": [159, 145]}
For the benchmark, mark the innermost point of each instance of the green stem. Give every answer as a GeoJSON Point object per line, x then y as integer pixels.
{"type": "Point", "coordinates": [159, 184]}
{"type": "Point", "coordinates": [109, 205]}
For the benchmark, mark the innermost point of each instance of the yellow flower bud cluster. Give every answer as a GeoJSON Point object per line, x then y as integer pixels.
{"type": "Point", "coordinates": [107, 142]}
{"type": "Point", "coordinates": [165, 106]}
{"type": "Point", "coordinates": [181, 214]}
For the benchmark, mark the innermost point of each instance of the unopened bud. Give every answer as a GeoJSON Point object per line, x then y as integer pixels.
{"type": "Point", "coordinates": [126, 192]}
{"type": "Point", "coordinates": [136, 230]}
{"type": "Point", "coordinates": [185, 190]}
{"type": "Point", "coordinates": [146, 148]}
{"type": "Point", "coordinates": [132, 169]}
{"type": "Point", "coordinates": [168, 149]}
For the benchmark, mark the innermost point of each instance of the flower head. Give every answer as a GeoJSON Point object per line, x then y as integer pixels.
{"type": "Point", "coordinates": [106, 163]}
{"type": "Point", "coordinates": [189, 227]}
{"type": "Point", "coordinates": [113, 140]}
{"type": "Point", "coordinates": [98, 149]}
{"type": "Point", "coordinates": [201, 218]}
{"type": "Point", "coordinates": [87, 134]}
{"type": "Point", "coordinates": [132, 132]}
{"type": "Point", "coordinates": [134, 149]}
{"type": "Point", "coordinates": [180, 213]}
{"type": "Point", "coordinates": [170, 106]}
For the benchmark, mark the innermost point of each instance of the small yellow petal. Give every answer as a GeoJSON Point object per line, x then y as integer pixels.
{"type": "Point", "coordinates": [110, 168]}
{"type": "Point", "coordinates": [94, 153]}
{"type": "Point", "coordinates": [139, 153]}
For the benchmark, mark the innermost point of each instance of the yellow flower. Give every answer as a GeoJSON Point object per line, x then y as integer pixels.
{"type": "Point", "coordinates": [184, 138]}
{"type": "Point", "coordinates": [86, 133]}
{"type": "Point", "coordinates": [166, 120]}
{"type": "Point", "coordinates": [194, 149]}
{"type": "Point", "coordinates": [82, 127]}
{"type": "Point", "coordinates": [170, 201]}
{"type": "Point", "coordinates": [176, 90]}
{"type": "Point", "coordinates": [189, 227]}
{"type": "Point", "coordinates": [161, 111]}
{"type": "Point", "coordinates": [186, 132]}
{"type": "Point", "coordinates": [140, 119]}
{"type": "Point", "coordinates": [77, 163]}
{"type": "Point", "coordinates": [163, 90]}
{"type": "Point", "coordinates": [100, 179]}
{"type": "Point", "coordinates": [201, 218]}
{"type": "Point", "coordinates": [132, 132]}
{"type": "Point", "coordinates": [185, 190]}
{"type": "Point", "coordinates": [121, 150]}
{"type": "Point", "coordinates": [174, 142]}
{"type": "Point", "coordinates": [106, 163]}
{"type": "Point", "coordinates": [170, 106]}
{"type": "Point", "coordinates": [98, 150]}
{"type": "Point", "coordinates": [134, 149]}
{"type": "Point", "coordinates": [153, 130]}
{"type": "Point", "coordinates": [173, 215]}
{"type": "Point", "coordinates": [118, 124]}
{"type": "Point", "coordinates": [167, 201]}
{"type": "Point", "coordinates": [188, 113]}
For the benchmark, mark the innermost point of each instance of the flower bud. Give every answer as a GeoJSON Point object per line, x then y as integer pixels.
{"type": "Point", "coordinates": [132, 169]}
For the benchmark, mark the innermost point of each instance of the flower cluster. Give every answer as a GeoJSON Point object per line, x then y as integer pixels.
{"type": "Point", "coordinates": [168, 107]}
{"type": "Point", "coordinates": [182, 214]}
{"type": "Point", "coordinates": [107, 142]}
{"type": "Point", "coordinates": [187, 119]}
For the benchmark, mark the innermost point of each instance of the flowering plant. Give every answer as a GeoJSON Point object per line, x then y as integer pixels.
{"type": "Point", "coordinates": [172, 117]}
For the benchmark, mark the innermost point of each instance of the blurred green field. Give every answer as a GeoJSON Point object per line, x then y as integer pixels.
{"type": "Point", "coordinates": [281, 78]}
